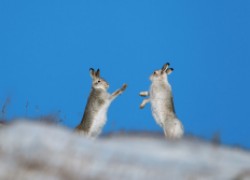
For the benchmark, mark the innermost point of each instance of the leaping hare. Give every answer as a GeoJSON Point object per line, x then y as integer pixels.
{"type": "Point", "coordinates": [95, 114]}
{"type": "Point", "coordinates": [162, 105]}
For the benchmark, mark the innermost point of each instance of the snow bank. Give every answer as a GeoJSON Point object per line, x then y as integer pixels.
{"type": "Point", "coordinates": [38, 151]}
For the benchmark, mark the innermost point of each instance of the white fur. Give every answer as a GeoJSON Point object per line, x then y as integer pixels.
{"type": "Point", "coordinates": [176, 130]}
{"type": "Point", "coordinates": [99, 120]}
{"type": "Point", "coordinates": [160, 97]}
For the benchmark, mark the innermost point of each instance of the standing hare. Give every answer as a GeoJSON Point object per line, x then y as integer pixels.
{"type": "Point", "coordinates": [162, 105]}
{"type": "Point", "coordinates": [95, 114]}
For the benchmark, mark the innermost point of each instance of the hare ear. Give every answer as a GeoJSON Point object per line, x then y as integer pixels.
{"type": "Point", "coordinates": [169, 71]}
{"type": "Point", "coordinates": [92, 73]}
{"type": "Point", "coordinates": [97, 73]}
{"type": "Point", "coordinates": [165, 67]}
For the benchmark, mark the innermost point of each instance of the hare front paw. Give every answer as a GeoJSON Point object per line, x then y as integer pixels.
{"type": "Point", "coordinates": [144, 102]}
{"type": "Point", "coordinates": [124, 86]}
{"type": "Point", "coordinates": [144, 93]}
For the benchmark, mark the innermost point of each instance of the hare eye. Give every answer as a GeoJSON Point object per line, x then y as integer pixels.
{"type": "Point", "coordinates": [154, 72]}
{"type": "Point", "coordinates": [98, 81]}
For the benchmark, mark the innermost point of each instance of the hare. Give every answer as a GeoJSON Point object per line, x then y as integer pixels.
{"type": "Point", "coordinates": [95, 114]}
{"type": "Point", "coordinates": [162, 105]}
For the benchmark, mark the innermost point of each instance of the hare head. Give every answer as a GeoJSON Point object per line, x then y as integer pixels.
{"type": "Point", "coordinates": [97, 81]}
{"type": "Point", "coordinates": [162, 73]}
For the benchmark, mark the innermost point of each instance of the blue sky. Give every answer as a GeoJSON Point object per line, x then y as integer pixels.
{"type": "Point", "coordinates": [47, 48]}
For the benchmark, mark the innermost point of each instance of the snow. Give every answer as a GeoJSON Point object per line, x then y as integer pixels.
{"type": "Point", "coordinates": [30, 150]}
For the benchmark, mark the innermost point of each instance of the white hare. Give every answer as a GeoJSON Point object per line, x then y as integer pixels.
{"type": "Point", "coordinates": [162, 105]}
{"type": "Point", "coordinates": [95, 114]}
